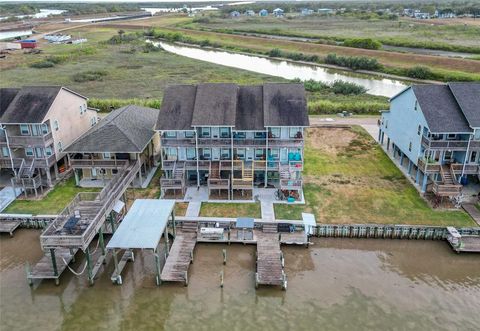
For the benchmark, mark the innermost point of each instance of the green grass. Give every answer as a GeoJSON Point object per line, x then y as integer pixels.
{"type": "Point", "coordinates": [358, 183]}
{"type": "Point", "coordinates": [53, 203]}
{"type": "Point", "coordinates": [231, 210]}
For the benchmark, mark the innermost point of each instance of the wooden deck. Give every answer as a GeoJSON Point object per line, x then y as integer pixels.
{"type": "Point", "coordinates": [44, 268]}
{"type": "Point", "coordinates": [270, 261]}
{"type": "Point", "coordinates": [179, 258]}
{"type": "Point", "coordinates": [470, 244]}
{"type": "Point", "coordinates": [8, 226]}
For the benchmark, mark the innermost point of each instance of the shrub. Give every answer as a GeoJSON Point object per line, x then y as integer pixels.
{"type": "Point", "coordinates": [275, 52]}
{"type": "Point", "coordinates": [346, 88]}
{"type": "Point", "coordinates": [42, 64]}
{"type": "Point", "coordinates": [88, 76]}
{"type": "Point", "coordinates": [312, 85]}
{"type": "Point", "coordinates": [420, 72]}
{"type": "Point", "coordinates": [353, 62]}
{"type": "Point", "coordinates": [367, 43]}
{"type": "Point", "coordinates": [356, 107]}
{"type": "Point", "coordinates": [107, 105]}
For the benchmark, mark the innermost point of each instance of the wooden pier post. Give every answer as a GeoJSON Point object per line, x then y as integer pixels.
{"type": "Point", "coordinates": [118, 280]}
{"type": "Point", "coordinates": [221, 279]}
{"type": "Point", "coordinates": [173, 222]}
{"type": "Point", "coordinates": [112, 222]}
{"type": "Point", "coordinates": [89, 266]}
{"type": "Point", "coordinates": [165, 234]}
{"type": "Point", "coordinates": [54, 264]}
{"type": "Point", "coordinates": [102, 244]}
{"type": "Point", "coordinates": [224, 252]}
{"type": "Point", "coordinates": [157, 268]}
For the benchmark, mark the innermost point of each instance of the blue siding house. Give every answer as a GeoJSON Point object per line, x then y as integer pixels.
{"type": "Point", "coordinates": [434, 131]}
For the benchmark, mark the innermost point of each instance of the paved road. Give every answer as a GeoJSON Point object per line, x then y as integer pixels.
{"type": "Point", "coordinates": [335, 120]}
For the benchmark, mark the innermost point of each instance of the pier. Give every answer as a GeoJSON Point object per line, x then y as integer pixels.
{"type": "Point", "coordinates": [179, 258]}
{"type": "Point", "coordinates": [463, 243]}
{"type": "Point", "coordinates": [79, 223]}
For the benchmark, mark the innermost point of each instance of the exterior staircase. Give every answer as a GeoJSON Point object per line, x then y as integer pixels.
{"type": "Point", "coordinates": [449, 186]}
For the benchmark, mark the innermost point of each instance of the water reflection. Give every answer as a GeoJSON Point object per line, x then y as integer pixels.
{"type": "Point", "coordinates": [288, 70]}
{"type": "Point", "coordinates": [337, 284]}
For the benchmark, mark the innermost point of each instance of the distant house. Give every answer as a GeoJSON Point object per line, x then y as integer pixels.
{"type": "Point", "coordinates": [263, 12]}
{"type": "Point", "coordinates": [421, 16]}
{"type": "Point", "coordinates": [122, 137]}
{"type": "Point", "coordinates": [306, 11]}
{"type": "Point", "coordinates": [250, 13]}
{"type": "Point", "coordinates": [37, 123]}
{"type": "Point", "coordinates": [278, 12]}
{"type": "Point", "coordinates": [444, 14]}
{"type": "Point", "coordinates": [235, 14]}
{"type": "Point", "coordinates": [435, 132]}
{"type": "Point", "coordinates": [325, 11]}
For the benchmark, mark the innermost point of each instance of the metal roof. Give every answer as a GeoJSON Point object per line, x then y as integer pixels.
{"type": "Point", "coordinates": [245, 223]}
{"type": "Point", "coordinates": [143, 225]}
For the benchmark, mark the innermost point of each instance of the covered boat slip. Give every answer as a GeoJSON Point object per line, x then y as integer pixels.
{"type": "Point", "coordinates": [142, 228]}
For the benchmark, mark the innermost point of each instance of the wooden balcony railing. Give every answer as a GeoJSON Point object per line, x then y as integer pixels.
{"type": "Point", "coordinates": [470, 169]}
{"type": "Point", "coordinates": [97, 163]}
{"type": "Point", "coordinates": [171, 183]}
{"type": "Point", "coordinates": [447, 144]}
{"type": "Point", "coordinates": [44, 140]}
{"type": "Point", "coordinates": [444, 190]}
{"type": "Point", "coordinates": [427, 167]}
{"type": "Point", "coordinates": [291, 184]}
{"type": "Point", "coordinates": [216, 183]}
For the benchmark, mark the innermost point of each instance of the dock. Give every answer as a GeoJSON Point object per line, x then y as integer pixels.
{"type": "Point", "coordinates": [179, 258]}
{"type": "Point", "coordinates": [463, 243]}
{"type": "Point", "coordinates": [9, 225]}
{"type": "Point", "coordinates": [270, 261]}
{"type": "Point", "coordinates": [51, 265]}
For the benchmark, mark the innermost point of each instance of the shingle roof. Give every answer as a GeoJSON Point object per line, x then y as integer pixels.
{"type": "Point", "coordinates": [30, 105]}
{"type": "Point", "coordinates": [467, 96]}
{"type": "Point", "coordinates": [125, 130]}
{"type": "Point", "coordinates": [285, 105]}
{"type": "Point", "coordinates": [243, 107]}
{"type": "Point", "coordinates": [215, 105]}
{"type": "Point", "coordinates": [6, 97]}
{"type": "Point", "coordinates": [441, 110]}
{"type": "Point", "coordinates": [177, 108]}
{"type": "Point", "coordinates": [250, 108]}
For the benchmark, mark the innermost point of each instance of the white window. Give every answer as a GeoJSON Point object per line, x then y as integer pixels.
{"type": "Point", "coordinates": [59, 145]}
{"type": "Point", "coordinates": [274, 133]}
{"type": "Point", "coordinates": [224, 132]}
{"type": "Point", "coordinates": [410, 147]}
{"type": "Point", "coordinates": [29, 151]}
{"type": "Point", "coordinates": [451, 136]}
{"type": "Point", "coordinates": [188, 134]}
{"type": "Point", "coordinates": [170, 134]}
{"type": "Point", "coordinates": [416, 105]}
{"type": "Point", "coordinates": [448, 155]}
{"type": "Point", "coordinates": [225, 153]}
{"type": "Point", "coordinates": [207, 153]}
{"type": "Point", "coordinates": [93, 121]}
{"type": "Point", "coordinates": [107, 156]}
{"type": "Point", "coordinates": [419, 130]}
{"type": "Point", "coordinates": [259, 135]}
{"type": "Point", "coordinates": [240, 153]}
{"type": "Point", "coordinates": [295, 133]}
{"type": "Point", "coordinates": [24, 130]}
{"type": "Point", "coordinates": [81, 109]}
{"type": "Point", "coordinates": [190, 153]}
{"type": "Point", "coordinates": [473, 156]}
{"type": "Point", "coordinates": [44, 128]}
{"type": "Point", "coordinates": [386, 124]}
{"type": "Point", "coordinates": [56, 125]}
{"type": "Point", "coordinates": [48, 151]}
{"type": "Point", "coordinates": [240, 135]}
{"type": "Point", "coordinates": [205, 133]}
{"type": "Point", "coordinates": [5, 152]}
{"type": "Point", "coordinates": [258, 154]}
{"type": "Point", "coordinates": [274, 154]}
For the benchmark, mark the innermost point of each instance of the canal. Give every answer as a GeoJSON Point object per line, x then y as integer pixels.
{"type": "Point", "coordinates": [286, 69]}
{"type": "Point", "coordinates": [336, 284]}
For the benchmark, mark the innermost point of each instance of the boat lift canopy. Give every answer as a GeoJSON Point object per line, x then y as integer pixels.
{"type": "Point", "coordinates": [142, 228]}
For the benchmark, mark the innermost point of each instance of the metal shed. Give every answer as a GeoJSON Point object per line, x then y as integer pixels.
{"type": "Point", "coordinates": [142, 228]}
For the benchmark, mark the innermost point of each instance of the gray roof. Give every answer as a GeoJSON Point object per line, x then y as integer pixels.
{"type": "Point", "coordinates": [250, 108]}
{"type": "Point", "coordinates": [6, 97]}
{"type": "Point", "coordinates": [215, 105]}
{"type": "Point", "coordinates": [467, 96]}
{"type": "Point", "coordinates": [285, 105]}
{"type": "Point", "coordinates": [243, 107]}
{"type": "Point", "coordinates": [441, 110]}
{"type": "Point", "coordinates": [30, 104]}
{"type": "Point", "coordinates": [125, 130]}
{"type": "Point", "coordinates": [176, 111]}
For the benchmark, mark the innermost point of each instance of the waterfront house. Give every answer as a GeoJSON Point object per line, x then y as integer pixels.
{"type": "Point", "coordinates": [325, 11]}
{"type": "Point", "coordinates": [434, 130]}
{"type": "Point", "coordinates": [263, 13]}
{"type": "Point", "coordinates": [230, 138]}
{"type": "Point", "coordinates": [122, 137]}
{"type": "Point", "coordinates": [38, 123]}
{"type": "Point", "coordinates": [235, 14]}
{"type": "Point", "coordinates": [249, 13]}
{"type": "Point", "coordinates": [278, 12]}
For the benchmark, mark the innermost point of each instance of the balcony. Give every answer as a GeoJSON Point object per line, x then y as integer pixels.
{"type": "Point", "coordinates": [428, 167]}
{"type": "Point", "coordinates": [291, 184]}
{"type": "Point", "coordinates": [444, 190]}
{"type": "Point", "coordinates": [97, 163]}
{"type": "Point", "coordinates": [449, 144]}
{"type": "Point", "coordinates": [22, 141]}
{"type": "Point", "coordinates": [292, 142]}
{"type": "Point", "coordinates": [181, 142]}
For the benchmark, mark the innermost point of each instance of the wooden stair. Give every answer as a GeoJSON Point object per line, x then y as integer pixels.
{"type": "Point", "coordinates": [270, 228]}
{"type": "Point", "coordinates": [190, 227]}
{"type": "Point", "coordinates": [214, 170]}
{"type": "Point", "coordinates": [447, 176]}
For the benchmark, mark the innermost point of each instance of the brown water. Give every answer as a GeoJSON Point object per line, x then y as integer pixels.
{"type": "Point", "coordinates": [337, 284]}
